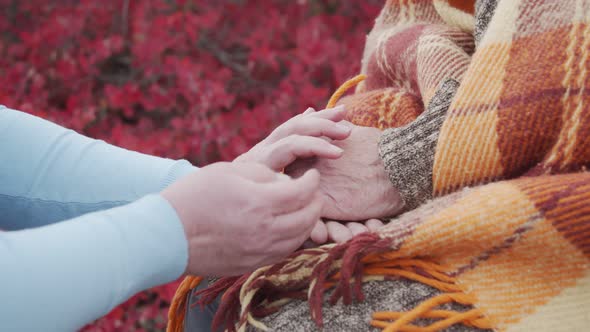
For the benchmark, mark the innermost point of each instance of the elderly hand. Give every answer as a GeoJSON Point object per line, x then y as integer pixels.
{"type": "Point", "coordinates": [306, 135]}
{"type": "Point", "coordinates": [354, 187]}
{"type": "Point", "coordinates": [240, 216]}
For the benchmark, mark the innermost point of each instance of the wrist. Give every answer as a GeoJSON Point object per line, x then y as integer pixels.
{"type": "Point", "coordinates": [170, 195]}
{"type": "Point", "coordinates": [189, 213]}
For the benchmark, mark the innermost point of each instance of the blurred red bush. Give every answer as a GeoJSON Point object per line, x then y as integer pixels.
{"type": "Point", "coordinates": [201, 80]}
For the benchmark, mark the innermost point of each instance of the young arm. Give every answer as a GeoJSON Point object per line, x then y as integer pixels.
{"type": "Point", "coordinates": [61, 276]}
{"type": "Point", "coordinates": [49, 173]}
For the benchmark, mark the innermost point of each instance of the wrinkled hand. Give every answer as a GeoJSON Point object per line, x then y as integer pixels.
{"type": "Point", "coordinates": [354, 187]}
{"type": "Point", "coordinates": [306, 135]}
{"type": "Point", "coordinates": [240, 216]}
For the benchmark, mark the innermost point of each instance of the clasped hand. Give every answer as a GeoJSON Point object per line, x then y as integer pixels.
{"type": "Point", "coordinates": [242, 215]}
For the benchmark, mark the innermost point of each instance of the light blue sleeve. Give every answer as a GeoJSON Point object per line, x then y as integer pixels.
{"type": "Point", "coordinates": [49, 173]}
{"type": "Point", "coordinates": [58, 274]}
{"type": "Point", "coordinates": [61, 276]}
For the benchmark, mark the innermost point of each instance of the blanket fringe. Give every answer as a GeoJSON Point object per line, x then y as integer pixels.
{"type": "Point", "coordinates": [344, 268]}
{"type": "Point", "coordinates": [431, 274]}
{"type": "Point", "coordinates": [177, 311]}
{"type": "Point", "coordinates": [400, 321]}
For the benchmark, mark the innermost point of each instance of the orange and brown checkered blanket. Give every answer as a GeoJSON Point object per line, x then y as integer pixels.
{"type": "Point", "coordinates": [509, 232]}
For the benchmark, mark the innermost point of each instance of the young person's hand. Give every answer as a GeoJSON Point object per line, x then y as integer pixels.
{"type": "Point", "coordinates": [241, 216]}
{"type": "Point", "coordinates": [306, 135]}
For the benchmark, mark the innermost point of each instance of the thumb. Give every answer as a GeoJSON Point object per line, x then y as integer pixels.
{"type": "Point", "coordinates": [255, 172]}
{"type": "Point", "coordinates": [287, 195]}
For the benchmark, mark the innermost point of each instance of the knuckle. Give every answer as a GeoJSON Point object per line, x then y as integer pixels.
{"type": "Point", "coordinates": [296, 122]}
{"type": "Point", "coordinates": [243, 246]}
{"type": "Point", "coordinates": [319, 123]}
{"type": "Point", "coordinates": [324, 122]}
{"type": "Point", "coordinates": [321, 142]}
{"type": "Point", "coordinates": [264, 228]}
{"type": "Point", "coordinates": [281, 131]}
{"type": "Point", "coordinates": [293, 141]}
{"type": "Point", "coordinates": [250, 245]}
{"type": "Point", "coordinates": [258, 245]}
{"type": "Point", "coordinates": [266, 156]}
{"type": "Point", "coordinates": [302, 124]}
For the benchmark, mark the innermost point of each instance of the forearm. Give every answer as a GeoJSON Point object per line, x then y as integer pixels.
{"type": "Point", "coordinates": [49, 173]}
{"type": "Point", "coordinates": [62, 276]}
{"type": "Point", "coordinates": [408, 152]}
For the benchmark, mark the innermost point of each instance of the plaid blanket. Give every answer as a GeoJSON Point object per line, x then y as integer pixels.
{"type": "Point", "coordinates": [508, 234]}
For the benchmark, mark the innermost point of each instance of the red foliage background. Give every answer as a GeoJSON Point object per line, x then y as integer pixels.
{"type": "Point", "coordinates": [200, 80]}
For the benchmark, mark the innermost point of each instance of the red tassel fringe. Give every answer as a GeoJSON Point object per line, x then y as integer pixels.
{"type": "Point", "coordinates": [351, 254]}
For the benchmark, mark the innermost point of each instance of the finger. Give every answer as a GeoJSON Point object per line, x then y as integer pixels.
{"type": "Point", "coordinates": [255, 172]}
{"type": "Point", "coordinates": [335, 114]}
{"type": "Point", "coordinates": [298, 224]}
{"type": "Point", "coordinates": [286, 196]}
{"type": "Point", "coordinates": [314, 126]}
{"type": "Point", "coordinates": [338, 232]}
{"type": "Point", "coordinates": [374, 224]}
{"type": "Point", "coordinates": [284, 247]}
{"type": "Point", "coordinates": [309, 110]}
{"type": "Point", "coordinates": [319, 233]}
{"type": "Point", "coordinates": [295, 242]}
{"type": "Point", "coordinates": [282, 153]}
{"type": "Point", "coordinates": [356, 228]}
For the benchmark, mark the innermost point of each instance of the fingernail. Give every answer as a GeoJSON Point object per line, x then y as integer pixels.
{"type": "Point", "coordinates": [312, 172]}
{"type": "Point", "coordinates": [282, 176]}
{"type": "Point", "coordinates": [343, 128]}
{"type": "Point", "coordinates": [336, 149]}
{"type": "Point", "coordinates": [346, 124]}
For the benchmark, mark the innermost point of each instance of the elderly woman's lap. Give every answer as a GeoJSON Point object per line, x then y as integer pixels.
{"type": "Point", "coordinates": [391, 295]}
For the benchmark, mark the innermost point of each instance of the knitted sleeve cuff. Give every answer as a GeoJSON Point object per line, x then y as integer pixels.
{"type": "Point", "coordinates": [408, 152]}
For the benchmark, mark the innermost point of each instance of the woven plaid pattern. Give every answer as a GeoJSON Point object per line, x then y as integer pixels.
{"type": "Point", "coordinates": [519, 249]}
{"type": "Point", "coordinates": [521, 107]}
{"type": "Point", "coordinates": [408, 54]}
{"type": "Point", "coordinates": [516, 247]}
